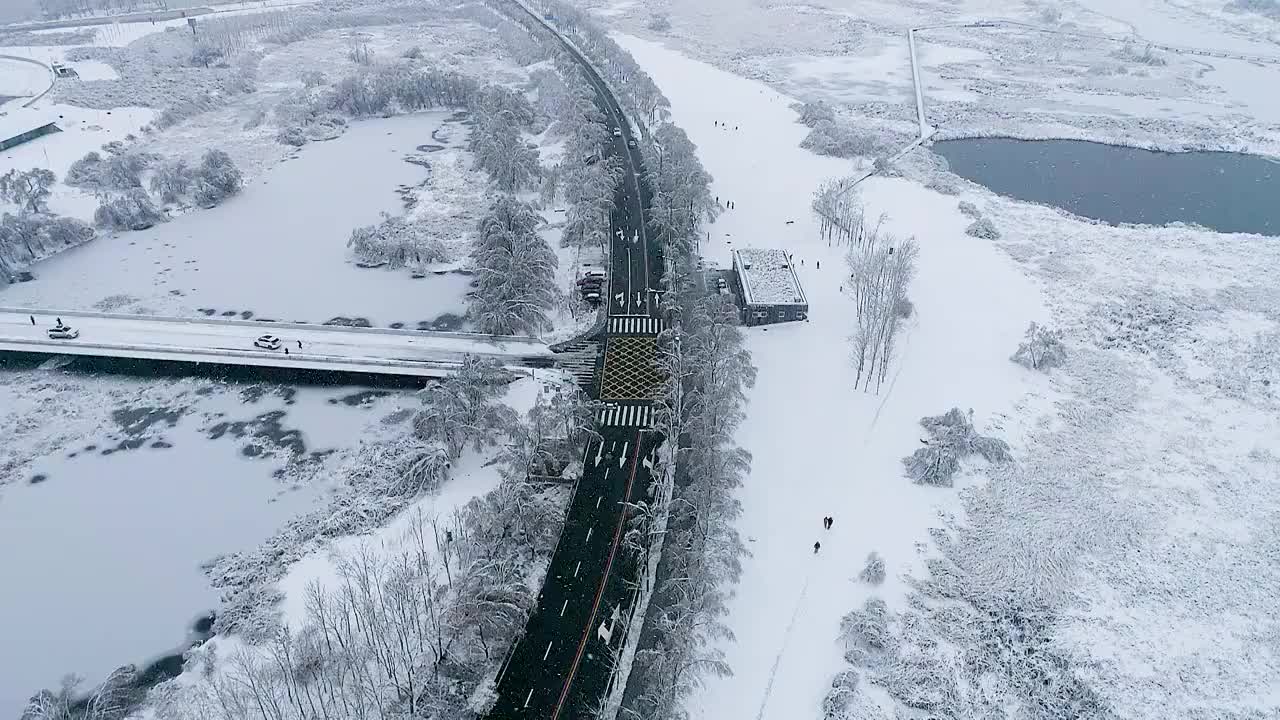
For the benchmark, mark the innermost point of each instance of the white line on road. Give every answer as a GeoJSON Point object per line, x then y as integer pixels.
{"type": "Point", "coordinates": [562, 608]}
{"type": "Point", "coordinates": [598, 501]}
{"type": "Point", "coordinates": [528, 697]}
{"type": "Point", "coordinates": [547, 652]}
{"type": "Point", "coordinates": [589, 533]}
{"type": "Point", "coordinates": [576, 567]}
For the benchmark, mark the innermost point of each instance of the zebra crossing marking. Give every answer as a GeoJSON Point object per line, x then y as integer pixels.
{"type": "Point", "coordinates": [632, 325]}
{"type": "Point", "coordinates": [626, 416]}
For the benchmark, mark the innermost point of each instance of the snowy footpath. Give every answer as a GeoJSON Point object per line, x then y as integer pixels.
{"type": "Point", "coordinates": [821, 448]}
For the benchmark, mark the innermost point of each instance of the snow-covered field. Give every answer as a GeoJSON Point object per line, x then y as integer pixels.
{"type": "Point", "coordinates": [1141, 507]}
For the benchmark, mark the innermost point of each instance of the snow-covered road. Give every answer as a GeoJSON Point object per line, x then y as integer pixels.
{"type": "Point", "coordinates": [316, 347]}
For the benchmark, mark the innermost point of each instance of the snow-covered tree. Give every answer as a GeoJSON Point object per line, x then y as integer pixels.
{"type": "Point", "coordinates": [397, 242]}
{"type": "Point", "coordinates": [1042, 349]}
{"type": "Point", "coordinates": [952, 438]}
{"type": "Point", "coordinates": [881, 268]}
{"type": "Point", "coordinates": [465, 408]}
{"type": "Point", "coordinates": [131, 210]}
{"type": "Point", "coordinates": [216, 179]}
{"type": "Point", "coordinates": [515, 271]}
{"type": "Point", "coordinates": [28, 190]}
{"type": "Point", "coordinates": [171, 180]}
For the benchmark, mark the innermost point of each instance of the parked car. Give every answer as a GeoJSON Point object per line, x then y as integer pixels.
{"type": "Point", "coordinates": [267, 342]}
{"type": "Point", "coordinates": [617, 132]}
{"type": "Point", "coordinates": [63, 332]}
{"type": "Point", "coordinates": [592, 297]}
{"type": "Point", "coordinates": [631, 143]}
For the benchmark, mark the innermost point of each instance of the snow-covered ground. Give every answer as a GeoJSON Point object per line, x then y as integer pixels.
{"type": "Point", "coordinates": [1154, 448]}
{"type": "Point", "coordinates": [115, 491]}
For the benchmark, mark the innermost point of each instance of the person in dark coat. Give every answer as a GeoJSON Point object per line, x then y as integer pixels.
{"type": "Point", "coordinates": [816, 546]}
{"type": "Point", "coordinates": [33, 319]}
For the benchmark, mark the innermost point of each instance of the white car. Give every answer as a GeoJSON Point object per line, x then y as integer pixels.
{"type": "Point", "coordinates": [267, 342]}
{"type": "Point", "coordinates": [617, 132]}
{"type": "Point", "coordinates": [63, 332]}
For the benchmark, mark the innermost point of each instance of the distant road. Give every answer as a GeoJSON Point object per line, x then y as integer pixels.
{"type": "Point", "coordinates": [230, 342]}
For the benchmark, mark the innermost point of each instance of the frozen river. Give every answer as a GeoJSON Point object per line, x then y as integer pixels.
{"type": "Point", "coordinates": [278, 250]}
{"type": "Point", "coordinates": [135, 484]}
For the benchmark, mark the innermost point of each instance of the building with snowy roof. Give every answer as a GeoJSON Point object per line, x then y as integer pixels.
{"type": "Point", "coordinates": [770, 289]}
{"type": "Point", "coordinates": [23, 125]}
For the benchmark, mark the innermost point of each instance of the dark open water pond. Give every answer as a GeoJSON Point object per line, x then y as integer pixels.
{"type": "Point", "coordinates": [1227, 192]}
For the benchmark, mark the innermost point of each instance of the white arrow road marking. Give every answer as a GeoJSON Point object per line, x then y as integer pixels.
{"type": "Point", "coordinates": [622, 459]}
{"type": "Point", "coordinates": [635, 237]}
{"type": "Point", "coordinates": [606, 634]}
{"type": "Point", "coordinates": [599, 454]}
{"type": "Point", "coordinates": [622, 300]}
{"type": "Point", "coordinates": [638, 301]}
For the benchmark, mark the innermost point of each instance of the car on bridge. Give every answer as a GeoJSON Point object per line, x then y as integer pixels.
{"type": "Point", "coordinates": [267, 342]}
{"type": "Point", "coordinates": [63, 332]}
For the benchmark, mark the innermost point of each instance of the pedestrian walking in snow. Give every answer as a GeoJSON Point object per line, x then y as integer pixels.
{"type": "Point", "coordinates": [286, 351]}
{"type": "Point", "coordinates": [59, 322]}
{"type": "Point", "coordinates": [299, 344]}
{"type": "Point", "coordinates": [735, 127]}
{"type": "Point", "coordinates": [830, 521]}
{"type": "Point", "coordinates": [819, 264]}
{"type": "Point", "coordinates": [816, 546]}
{"type": "Point", "coordinates": [33, 319]}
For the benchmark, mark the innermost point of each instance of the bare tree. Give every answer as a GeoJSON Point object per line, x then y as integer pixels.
{"type": "Point", "coordinates": [1041, 349]}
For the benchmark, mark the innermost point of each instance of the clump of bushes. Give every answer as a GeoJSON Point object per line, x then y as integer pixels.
{"type": "Point", "coordinates": [873, 571]}
{"type": "Point", "coordinates": [396, 242]}
{"type": "Point", "coordinates": [830, 136]}
{"type": "Point", "coordinates": [983, 228]}
{"type": "Point", "coordinates": [968, 209]}
{"type": "Point", "coordinates": [1041, 350]}
{"type": "Point", "coordinates": [131, 210]}
{"type": "Point", "coordinates": [953, 438]}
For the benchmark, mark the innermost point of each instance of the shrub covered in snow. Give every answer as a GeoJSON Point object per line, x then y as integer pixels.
{"type": "Point", "coordinates": [945, 183]}
{"type": "Point", "coordinates": [1042, 349]}
{"type": "Point", "coordinates": [205, 55]}
{"type": "Point", "coordinates": [968, 209]}
{"type": "Point", "coordinates": [865, 632]}
{"type": "Point", "coordinates": [952, 438]}
{"type": "Point", "coordinates": [216, 179]}
{"type": "Point", "coordinates": [131, 210]}
{"type": "Point", "coordinates": [119, 171]}
{"type": "Point", "coordinates": [171, 180]}
{"type": "Point", "coordinates": [397, 242]}
{"type": "Point", "coordinates": [292, 135]}
{"type": "Point", "coordinates": [983, 228]}
{"type": "Point", "coordinates": [27, 238]}
{"type": "Point", "coordinates": [873, 571]}
{"type": "Point", "coordinates": [659, 22]}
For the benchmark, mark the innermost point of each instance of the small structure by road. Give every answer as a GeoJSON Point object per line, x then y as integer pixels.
{"type": "Point", "coordinates": [771, 291]}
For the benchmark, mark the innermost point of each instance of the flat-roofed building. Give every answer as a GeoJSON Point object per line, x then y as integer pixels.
{"type": "Point", "coordinates": [770, 288]}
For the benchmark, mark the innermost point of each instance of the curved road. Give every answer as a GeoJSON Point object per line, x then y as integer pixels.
{"type": "Point", "coordinates": [562, 666]}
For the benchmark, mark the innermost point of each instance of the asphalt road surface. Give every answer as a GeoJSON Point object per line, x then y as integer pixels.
{"type": "Point", "coordinates": [561, 667]}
